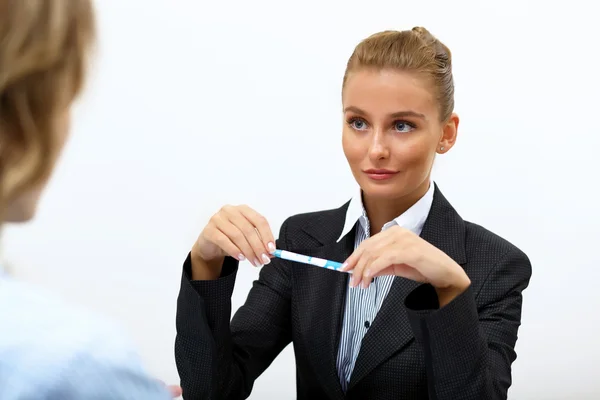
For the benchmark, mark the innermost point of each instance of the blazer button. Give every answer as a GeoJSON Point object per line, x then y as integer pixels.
{"type": "Point", "coordinates": [367, 324]}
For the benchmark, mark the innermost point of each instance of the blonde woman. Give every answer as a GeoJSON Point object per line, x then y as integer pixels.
{"type": "Point", "coordinates": [49, 350]}
{"type": "Point", "coordinates": [433, 305]}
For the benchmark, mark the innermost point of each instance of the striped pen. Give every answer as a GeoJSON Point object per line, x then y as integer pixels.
{"type": "Point", "coordinates": [318, 262]}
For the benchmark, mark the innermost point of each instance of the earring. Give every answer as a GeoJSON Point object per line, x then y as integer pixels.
{"type": "Point", "coordinates": [442, 148]}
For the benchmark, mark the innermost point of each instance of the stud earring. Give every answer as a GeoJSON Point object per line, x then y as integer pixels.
{"type": "Point", "coordinates": [442, 148]}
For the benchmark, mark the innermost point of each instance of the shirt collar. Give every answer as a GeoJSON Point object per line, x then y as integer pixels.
{"type": "Point", "coordinates": [412, 219]}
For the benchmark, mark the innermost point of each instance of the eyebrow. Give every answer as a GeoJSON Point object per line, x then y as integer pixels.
{"type": "Point", "coordinates": [398, 114]}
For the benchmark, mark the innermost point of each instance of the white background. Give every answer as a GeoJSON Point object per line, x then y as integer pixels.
{"type": "Point", "coordinates": [193, 105]}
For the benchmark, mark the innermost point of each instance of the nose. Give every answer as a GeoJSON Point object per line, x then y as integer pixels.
{"type": "Point", "coordinates": [379, 148]}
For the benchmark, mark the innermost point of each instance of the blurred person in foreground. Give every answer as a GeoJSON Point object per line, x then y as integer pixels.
{"type": "Point", "coordinates": [48, 349]}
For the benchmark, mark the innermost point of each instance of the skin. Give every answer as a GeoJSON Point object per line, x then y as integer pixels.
{"type": "Point", "coordinates": [373, 137]}
{"type": "Point", "coordinates": [391, 121]}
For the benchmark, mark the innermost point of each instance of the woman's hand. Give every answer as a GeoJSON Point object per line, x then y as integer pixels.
{"type": "Point", "coordinates": [236, 231]}
{"type": "Point", "coordinates": [398, 251]}
{"type": "Point", "coordinates": [175, 390]}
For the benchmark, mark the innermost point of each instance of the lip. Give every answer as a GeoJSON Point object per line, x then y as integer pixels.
{"type": "Point", "coordinates": [380, 174]}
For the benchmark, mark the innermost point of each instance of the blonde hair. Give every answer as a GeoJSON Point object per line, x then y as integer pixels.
{"type": "Point", "coordinates": [416, 51]}
{"type": "Point", "coordinates": [44, 46]}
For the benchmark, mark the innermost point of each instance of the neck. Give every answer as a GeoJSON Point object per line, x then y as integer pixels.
{"type": "Point", "coordinates": [383, 210]}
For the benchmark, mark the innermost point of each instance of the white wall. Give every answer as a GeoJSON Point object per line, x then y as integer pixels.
{"type": "Point", "coordinates": [197, 104]}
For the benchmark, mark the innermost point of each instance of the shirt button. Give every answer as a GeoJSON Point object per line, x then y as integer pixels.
{"type": "Point", "coordinates": [367, 324]}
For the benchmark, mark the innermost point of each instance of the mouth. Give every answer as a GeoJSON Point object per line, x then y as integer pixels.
{"type": "Point", "coordinates": [380, 174]}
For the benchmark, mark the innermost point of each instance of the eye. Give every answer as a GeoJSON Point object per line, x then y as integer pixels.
{"type": "Point", "coordinates": [403, 126]}
{"type": "Point", "coordinates": [357, 124]}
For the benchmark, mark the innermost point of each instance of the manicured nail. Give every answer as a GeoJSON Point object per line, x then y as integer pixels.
{"type": "Point", "coordinates": [343, 267]}
{"type": "Point", "coordinates": [241, 257]}
{"type": "Point", "coordinates": [266, 259]}
{"type": "Point", "coordinates": [257, 264]}
{"type": "Point", "coordinates": [271, 247]}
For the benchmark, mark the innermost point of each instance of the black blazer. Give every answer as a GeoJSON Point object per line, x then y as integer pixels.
{"type": "Point", "coordinates": [413, 349]}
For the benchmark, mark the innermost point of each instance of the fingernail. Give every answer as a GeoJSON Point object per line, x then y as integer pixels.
{"type": "Point", "coordinates": [271, 247]}
{"type": "Point", "coordinates": [241, 257]}
{"type": "Point", "coordinates": [343, 267]}
{"type": "Point", "coordinates": [257, 264]}
{"type": "Point", "coordinates": [266, 259]}
{"type": "Point", "coordinates": [367, 274]}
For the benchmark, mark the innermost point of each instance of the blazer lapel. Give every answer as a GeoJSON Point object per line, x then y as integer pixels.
{"type": "Point", "coordinates": [390, 330]}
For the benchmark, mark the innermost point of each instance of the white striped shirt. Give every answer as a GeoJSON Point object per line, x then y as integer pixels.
{"type": "Point", "coordinates": [362, 305]}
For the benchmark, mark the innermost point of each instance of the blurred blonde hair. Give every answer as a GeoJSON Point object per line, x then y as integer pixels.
{"type": "Point", "coordinates": [415, 50]}
{"type": "Point", "coordinates": [44, 46]}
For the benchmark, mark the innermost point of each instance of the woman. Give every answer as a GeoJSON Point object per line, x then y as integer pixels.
{"type": "Point", "coordinates": [48, 350]}
{"type": "Point", "coordinates": [433, 305]}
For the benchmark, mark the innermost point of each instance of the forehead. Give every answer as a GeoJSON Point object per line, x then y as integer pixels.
{"type": "Point", "coordinates": [388, 91]}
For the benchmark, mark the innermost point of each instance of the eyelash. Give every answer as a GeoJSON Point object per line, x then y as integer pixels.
{"type": "Point", "coordinates": [350, 121]}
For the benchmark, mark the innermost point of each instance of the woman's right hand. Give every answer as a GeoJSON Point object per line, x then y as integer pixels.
{"type": "Point", "coordinates": [236, 231]}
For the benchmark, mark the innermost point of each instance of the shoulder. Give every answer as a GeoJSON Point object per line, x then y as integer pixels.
{"type": "Point", "coordinates": [54, 347]}
{"type": "Point", "coordinates": [497, 255]}
{"type": "Point", "coordinates": [481, 240]}
{"type": "Point", "coordinates": [483, 250]}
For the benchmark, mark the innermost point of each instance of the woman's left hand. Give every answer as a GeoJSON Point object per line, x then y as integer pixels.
{"type": "Point", "coordinates": [174, 390]}
{"type": "Point", "coordinates": [398, 251]}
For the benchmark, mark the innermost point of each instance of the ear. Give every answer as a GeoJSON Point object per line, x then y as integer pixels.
{"type": "Point", "coordinates": [449, 132]}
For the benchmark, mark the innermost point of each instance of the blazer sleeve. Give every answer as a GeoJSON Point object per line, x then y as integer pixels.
{"type": "Point", "coordinates": [219, 359]}
{"type": "Point", "coordinates": [469, 351]}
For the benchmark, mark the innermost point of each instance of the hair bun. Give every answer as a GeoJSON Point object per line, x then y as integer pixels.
{"type": "Point", "coordinates": [424, 34]}
{"type": "Point", "coordinates": [440, 49]}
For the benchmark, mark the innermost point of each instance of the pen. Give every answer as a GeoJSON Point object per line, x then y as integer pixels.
{"type": "Point", "coordinates": [319, 262]}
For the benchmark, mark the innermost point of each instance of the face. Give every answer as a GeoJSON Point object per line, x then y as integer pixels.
{"type": "Point", "coordinates": [23, 208]}
{"type": "Point", "coordinates": [392, 132]}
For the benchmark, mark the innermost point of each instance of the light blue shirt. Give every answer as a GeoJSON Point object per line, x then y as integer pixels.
{"type": "Point", "coordinates": [362, 305]}
{"type": "Point", "coordinates": [53, 351]}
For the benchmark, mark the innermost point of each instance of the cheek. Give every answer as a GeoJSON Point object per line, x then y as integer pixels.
{"type": "Point", "coordinates": [353, 149]}
{"type": "Point", "coordinates": [414, 154]}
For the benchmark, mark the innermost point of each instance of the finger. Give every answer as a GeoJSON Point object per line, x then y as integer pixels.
{"type": "Point", "coordinates": [232, 236]}
{"type": "Point", "coordinates": [175, 390]}
{"type": "Point", "coordinates": [357, 260]}
{"type": "Point", "coordinates": [262, 225]}
{"type": "Point", "coordinates": [365, 278]}
{"type": "Point", "coordinates": [350, 263]}
{"type": "Point", "coordinates": [385, 272]}
{"type": "Point", "coordinates": [222, 240]}
{"type": "Point", "coordinates": [404, 271]}
{"type": "Point", "coordinates": [373, 250]}
{"type": "Point", "coordinates": [252, 236]}
{"type": "Point", "coordinates": [382, 265]}
{"type": "Point", "coordinates": [374, 242]}
{"type": "Point", "coordinates": [358, 270]}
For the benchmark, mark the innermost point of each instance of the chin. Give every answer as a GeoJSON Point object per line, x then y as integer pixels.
{"type": "Point", "coordinates": [383, 191]}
